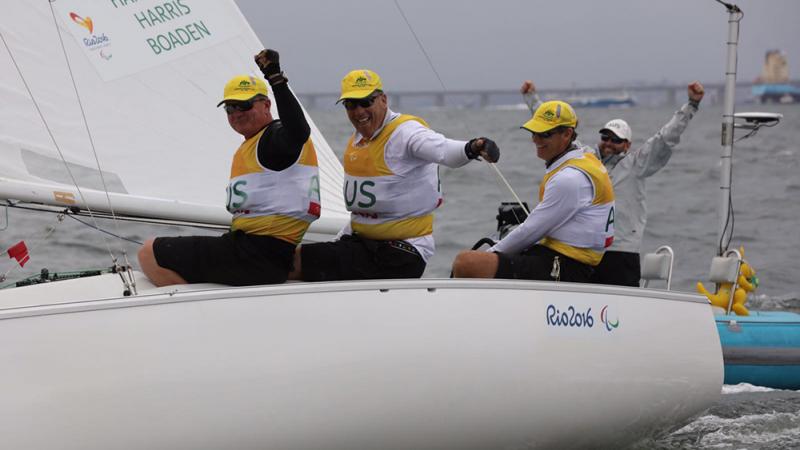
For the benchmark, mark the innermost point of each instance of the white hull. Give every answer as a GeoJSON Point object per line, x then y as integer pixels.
{"type": "Point", "coordinates": [384, 364]}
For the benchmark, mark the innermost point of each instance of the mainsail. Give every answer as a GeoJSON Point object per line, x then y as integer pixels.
{"type": "Point", "coordinates": [129, 87]}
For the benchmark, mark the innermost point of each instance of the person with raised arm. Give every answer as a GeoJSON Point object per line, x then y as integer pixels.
{"type": "Point", "coordinates": [392, 189]}
{"type": "Point", "coordinates": [629, 170]}
{"type": "Point", "coordinates": [273, 193]}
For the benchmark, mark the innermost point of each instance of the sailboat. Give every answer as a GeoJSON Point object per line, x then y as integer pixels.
{"type": "Point", "coordinates": [773, 86]}
{"type": "Point", "coordinates": [109, 111]}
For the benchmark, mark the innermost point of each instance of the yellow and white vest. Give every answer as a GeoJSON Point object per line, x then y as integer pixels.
{"type": "Point", "coordinates": [385, 205]}
{"type": "Point", "coordinates": [591, 231]}
{"type": "Point", "coordinates": [279, 204]}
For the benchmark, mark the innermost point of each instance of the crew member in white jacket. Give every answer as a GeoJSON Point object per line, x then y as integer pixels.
{"type": "Point", "coordinates": [565, 236]}
{"type": "Point", "coordinates": [628, 170]}
{"type": "Point", "coordinates": [391, 188]}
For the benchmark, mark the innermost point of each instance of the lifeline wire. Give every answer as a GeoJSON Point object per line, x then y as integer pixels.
{"type": "Point", "coordinates": [444, 88]}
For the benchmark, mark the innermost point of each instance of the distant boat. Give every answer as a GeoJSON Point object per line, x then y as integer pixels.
{"type": "Point", "coordinates": [623, 100]}
{"type": "Point", "coordinates": [776, 93]}
{"type": "Point", "coordinates": [773, 82]}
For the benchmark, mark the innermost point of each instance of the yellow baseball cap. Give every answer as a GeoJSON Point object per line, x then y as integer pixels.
{"type": "Point", "coordinates": [243, 87]}
{"type": "Point", "coordinates": [359, 84]}
{"type": "Point", "coordinates": [550, 115]}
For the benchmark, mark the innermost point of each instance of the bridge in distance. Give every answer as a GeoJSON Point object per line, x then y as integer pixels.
{"type": "Point", "coordinates": [667, 94]}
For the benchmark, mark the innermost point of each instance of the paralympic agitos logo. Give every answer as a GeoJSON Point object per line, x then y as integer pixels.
{"type": "Point", "coordinates": [610, 325]}
{"type": "Point", "coordinates": [576, 317]}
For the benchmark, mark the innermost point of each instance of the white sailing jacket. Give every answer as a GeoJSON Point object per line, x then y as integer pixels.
{"type": "Point", "coordinates": [392, 182]}
{"type": "Point", "coordinates": [575, 212]}
{"type": "Point", "coordinates": [628, 174]}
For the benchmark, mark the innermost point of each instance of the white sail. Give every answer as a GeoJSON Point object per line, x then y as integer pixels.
{"type": "Point", "coordinates": [147, 77]}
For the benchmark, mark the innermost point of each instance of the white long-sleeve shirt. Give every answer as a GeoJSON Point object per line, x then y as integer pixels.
{"type": "Point", "coordinates": [413, 145]}
{"type": "Point", "coordinates": [566, 193]}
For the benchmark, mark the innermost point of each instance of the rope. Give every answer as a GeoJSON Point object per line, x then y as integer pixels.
{"type": "Point", "coordinates": [72, 216]}
{"type": "Point", "coordinates": [503, 179]}
{"type": "Point", "coordinates": [421, 47]}
{"type": "Point", "coordinates": [444, 88]}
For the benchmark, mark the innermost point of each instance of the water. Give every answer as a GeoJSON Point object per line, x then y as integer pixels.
{"type": "Point", "coordinates": [746, 417]}
{"type": "Point", "coordinates": [682, 203]}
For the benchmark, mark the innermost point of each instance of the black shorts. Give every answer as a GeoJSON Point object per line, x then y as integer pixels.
{"type": "Point", "coordinates": [618, 268]}
{"type": "Point", "coordinates": [536, 263]}
{"type": "Point", "coordinates": [235, 258]}
{"type": "Point", "coordinates": [355, 258]}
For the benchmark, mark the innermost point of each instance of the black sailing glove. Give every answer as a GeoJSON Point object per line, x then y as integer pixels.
{"type": "Point", "coordinates": [269, 62]}
{"type": "Point", "coordinates": [482, 146]}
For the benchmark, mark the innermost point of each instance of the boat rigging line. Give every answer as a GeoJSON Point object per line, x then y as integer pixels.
{"type": "Point", "coordinates": [93, 147]}
{"type": "Point", "coordinates": [444, 88]}
{"type": "Point", "coordinates": [72, 216]}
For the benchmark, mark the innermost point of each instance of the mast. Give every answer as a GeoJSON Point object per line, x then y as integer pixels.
{"type": "Point", "coordinates": [734, 16]}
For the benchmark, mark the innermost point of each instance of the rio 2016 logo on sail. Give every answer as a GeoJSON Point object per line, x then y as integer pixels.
{"type": "Point", "coordinates": [574, 318]}
{"type": "Point", "coordinates": [94, 42]}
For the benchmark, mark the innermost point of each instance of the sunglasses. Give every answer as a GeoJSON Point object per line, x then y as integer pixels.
{"type": "Point", "coordinates": [544, 134]}
{"type": "Point", "coordinates": [353, 103]}
{"type": "Point", "coordinates": [613, 139]}
{"type": "Point", "coordinates": [245, 106]}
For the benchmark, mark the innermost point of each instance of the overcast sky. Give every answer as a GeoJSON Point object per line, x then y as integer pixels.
{"type": "Point", "coordinates": [494, 44]}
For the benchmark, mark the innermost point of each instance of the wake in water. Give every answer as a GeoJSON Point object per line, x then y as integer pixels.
{"type": "Point", "coordinates": [746, 416]}
{"type": "Point", "coordinates": [786, 302]}
{"type": "Point", "coordinates": [741, 388]}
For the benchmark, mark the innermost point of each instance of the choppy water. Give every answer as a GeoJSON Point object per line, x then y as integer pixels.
{"type": "Point", "coordinates": [682, 203]}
